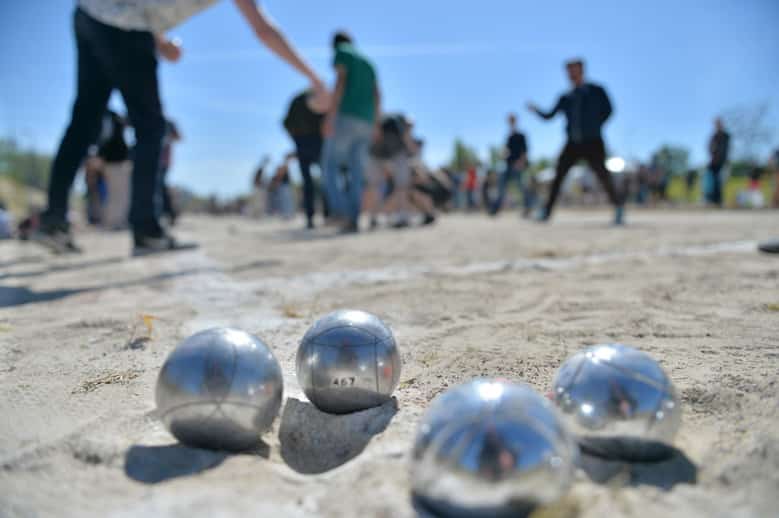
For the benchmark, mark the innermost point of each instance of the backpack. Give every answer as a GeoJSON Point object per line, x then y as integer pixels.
{"type": "Point", "coordinates": [300, 120]}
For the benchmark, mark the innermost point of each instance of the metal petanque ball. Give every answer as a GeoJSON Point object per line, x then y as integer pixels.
{"type": "Point", "coordinates": [618, 402]}
{"type": "Point", "coordinates": [348, 361]}
{"type": "Point", "coordinates": [491, 448]}
{"type": "Point", "coordinates": [220, 389]}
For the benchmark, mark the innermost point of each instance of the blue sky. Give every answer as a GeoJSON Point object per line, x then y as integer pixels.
{"type": "Point", "coordinates": [457, 67]}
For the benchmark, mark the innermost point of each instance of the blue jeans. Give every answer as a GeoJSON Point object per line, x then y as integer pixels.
{"type": "Point", "coordinates": [506, 177]}
{"type": "Point", "coordinates": [348, 147]}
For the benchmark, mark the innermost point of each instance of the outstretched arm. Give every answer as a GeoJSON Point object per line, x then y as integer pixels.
{"type": "Point", "coordinates": [273, 38]}
{"type": "Point", "coordinates": [546, 115]}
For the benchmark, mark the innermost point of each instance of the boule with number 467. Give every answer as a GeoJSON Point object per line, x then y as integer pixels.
{"type": "Point", "coordinates": [348, 361]}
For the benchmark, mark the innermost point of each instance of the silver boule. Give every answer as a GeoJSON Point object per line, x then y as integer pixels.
{"type": "Point", "coordinates": [491, 447]}
{"type": "Point", "coordinates": [348, 361]}
{"type": "Point", "coordinates": [615, 397]}
{"type": "Point", "coordinates": [220, 389]}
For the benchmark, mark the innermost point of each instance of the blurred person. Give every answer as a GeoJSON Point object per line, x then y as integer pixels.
{"type": "Point", "coordinates": [96, 191]}
{"type": "Point", "coordinates": [586, 107]}
{"type": "Point", "coordinates": [113, 154]}
{"type": "Point", "coordinates": [470, 185]}
{"type": "Point", "coordinates": [349, 127]}
{"type": "Point", "coordinates": [303, 123]}
{"type": "Point", "coordinates": [690, 179]}
{"type": "Point", "coordinates": [659, 182]}
{"type": "Point", "coordinates": [6, 222]}
{"type": "Point", "coordinates": [172, 135]}
{"type": "Point", "coordinates": [490, 190]}
{"type": "Point", "coordinates": [280, 190]}
{"type": "Point", "coordinates": [118, 42]}
{"type": "Point", "coordinates": [436, 185]}
{"type": "Point", "coordinates": [719, 149]}
{"type": "Point", "coordinates": [392, 153]}
{"type": "Point", "coordinates": [516, 161]}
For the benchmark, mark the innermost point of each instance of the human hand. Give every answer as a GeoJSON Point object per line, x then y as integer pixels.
{"type": "Point", "coordinates": [170, 50]}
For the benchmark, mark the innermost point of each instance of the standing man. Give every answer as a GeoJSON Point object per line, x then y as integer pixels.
{"type": "Point", "coordinates": [516, 162]}
{"type": "Point", "coordinates": [719, 148]}
{"type": "Point", "coordinates": [117, 45]}
{"type": "Point", "coordinates": [587, 108]}
{"type": "Point", "coordinates": [304, 125]}
{"type": "Point", "coordinates": [350, 126]}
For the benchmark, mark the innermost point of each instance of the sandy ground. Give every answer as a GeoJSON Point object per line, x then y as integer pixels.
{"type": "Point", "coordinates": [469, 297]}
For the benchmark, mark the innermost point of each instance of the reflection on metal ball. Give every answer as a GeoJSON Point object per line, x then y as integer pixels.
{"type": "Point", "coordinates": [220, 389]}
{"type": "Point", "coordinates": [491, 448]}
{"type": "Point", "coordinates": [348, 361]}
{"type": "Point", "coordinates": [616, 397]}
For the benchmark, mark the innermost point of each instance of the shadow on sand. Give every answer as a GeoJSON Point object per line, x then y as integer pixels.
{"type": "Point", "coordinates": [664, 469]}
{"type": "Point", "coordinates": [314, 442]}
{"type": "Point", "coordinates": [11, 296]}
{"type": "Point", "coordinates": [155, 464]}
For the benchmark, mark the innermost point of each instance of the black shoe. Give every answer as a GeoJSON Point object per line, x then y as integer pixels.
{"type": "Point", "coordinates": [374, 224]}
{"type": "Point", "coordinates": [56, 238]}
{"type": "Point", "coordinates": [158, 243]}
{"type": "Point", "coordinates": [769, 247]}
{"type": "Point", "coordinates": [429, 220]}
{"type": "Point", "coordinates": [400, 224]}
{"type": "Point", "coordinates": [350, 228]}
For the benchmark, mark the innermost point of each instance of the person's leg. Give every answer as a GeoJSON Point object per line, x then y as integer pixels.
{"type": "Point", "coordinates": [505, 179]}
{"type": "Point", "coordinates": [93, 91]}
{"type": "Point", "coordinates": [305, 161]}
{"type": "Point", "coordinates": [595, 155]}
{"type": "Point", "coordinates": [568, 157]}
{"type": "Point", "coordinates": [333, 156]}
{"type": "Point", "coordinates": [138, 83]}
{"type": "Point", "coordinates": [716, 184]}
{"type": "Point", "coordinates": [358, 161]}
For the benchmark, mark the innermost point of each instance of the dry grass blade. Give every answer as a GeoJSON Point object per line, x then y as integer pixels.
{"type": "Point", "coordinates": [111, 378]}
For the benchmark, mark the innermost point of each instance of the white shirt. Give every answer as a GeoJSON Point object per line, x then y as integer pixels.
{"type": "Point", "coordinates": [156, 16]}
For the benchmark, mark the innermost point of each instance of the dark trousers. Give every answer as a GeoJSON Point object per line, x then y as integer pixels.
{"type": "Point", "coordinates": [108, 59]}
{"type": "Point", "coordinates": [715, 196]}
{"type": "Point", "coordinates": [594, 153]}
{"type": "Point", "coordinates": [309, 151]}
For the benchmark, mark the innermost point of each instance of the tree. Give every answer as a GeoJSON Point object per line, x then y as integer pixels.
{"type": "Point", "coordinates": [463, 156]}
{"type": "Point", "coordinates": [26, 167]}
{"type": "Point", "coordinates": [495, 154]}
{"type": "Point", "coordinates": [673, 160]}
{"type": "Point", "coordinates": [749, 129]}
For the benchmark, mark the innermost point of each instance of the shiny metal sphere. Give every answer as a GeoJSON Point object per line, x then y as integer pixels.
{"type": "Point", "coordinates": [614, 394]}
{"type": "Point", "coordinates": [491, 448]}
{"type": "Point", "coordinates": [220, 389]}
{"type": "Point", "coordinates": [348, 361]}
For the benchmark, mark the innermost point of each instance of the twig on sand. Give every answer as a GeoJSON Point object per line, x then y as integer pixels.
{"type": "Point", "coordinates": [112, 378]}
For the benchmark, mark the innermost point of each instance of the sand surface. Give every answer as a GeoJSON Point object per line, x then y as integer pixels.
{"type": "Point", "coordinates": [469, 297]}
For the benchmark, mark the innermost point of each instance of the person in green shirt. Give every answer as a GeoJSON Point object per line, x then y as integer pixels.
{"type": "Point", "coordinates": [350, 126]}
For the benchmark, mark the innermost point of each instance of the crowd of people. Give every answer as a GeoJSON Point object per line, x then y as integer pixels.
{"type": "Point", "coordinates": [370, 161]}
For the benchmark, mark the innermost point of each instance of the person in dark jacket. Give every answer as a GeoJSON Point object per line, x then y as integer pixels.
{"type": "Point", "coordinates": [719, 149]}
{"type": "Point", "coordinates": [516, 163]}
{"type": "Point", "coordinates": [586, 107]}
